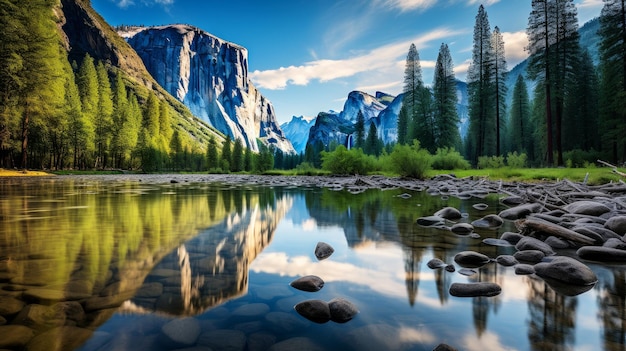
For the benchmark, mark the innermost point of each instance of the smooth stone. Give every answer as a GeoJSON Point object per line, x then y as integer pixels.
{"type": "Point", "coordinates": [309, 283]}
{"type": "Point", "coordinates": [15, 336]}
{"type": "Point", "coordinates": [557, 243]}
{"type": "Point", "coordinates": [431, 221]}
{"type": "Point", "coordinates": [586, 207]}
{"type": "Point", "coordinates": [282, 322]}
{"type": "Point", "coordinates": [566, 270]}
{"type": "Point", "coordinates": [436, 263]}
{"type": "Point", "coordinates": [530, 243]}
{"type": "Point", "coordinates": [524, 269]}
{"type": "Point", "coordinates": [511, 237]}
{"type": "Point", "coordinates": [471, 259]}
{"type": "Point", "coordinates": [10, 305]}
{"type": "Point", "coordinates": [506, 260]}
{"type": "Point", "coordinates": [449, 213]}
{"type": "Point", "coordinates": [251, 310]}
{"type": "Point", "coordinates": [615, 244]}
{"type": "Point", "coordinates": [467, 272]}
{"type": "Point", "coordinates": [316, 311]}
{"type": "Point", "coordinates": [601, 254]}
{"type": "Point", "coordinates": [375, 337]}
{"type": "Point", "coordinates": [491, 221]}
{"type": "Point", "coordinates": [299, 343]}
{"type": "Point", "coordinates": [474, 236]}
{"type": "Point", "coordinates": [567, 289]}
{"type": "Point", "coordinates": [512, 201]}
{"type": "Point", "coordinates": [223, 339]}
{"type": "Point", "coordinates": [342, 310]}
{"type": "Point", "coordinates": [475, 289]}
{"type": "Point", "coordinates": [462, 228]}
{"type": "Point", "coordinates": [323, 250]}
{"type": "Point", "coordinates": [616, 224]}
{"type": "Point", "coordinates": [182, 332]}
{"type": "Point", "coordinates": [497, 242]}
{"type": "Point", "coordinates": [529, 256]}
{"type": "Point", "coordinates": [444, 347]}
{"type": "Point", "coordinates": [61, 338]}
{"type": "Point", "coordinates": [260, 341]}
{"type": "Point", "coordinates": [480, 206]}
{"type": "Point", "coordinates": [450, 268]}
{"type": "Point", "coordinates": [521, 211]}
{"type": "Point", "coordinates": [588, 232]}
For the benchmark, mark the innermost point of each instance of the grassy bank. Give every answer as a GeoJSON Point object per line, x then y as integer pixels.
{"type": "Point", "coordinates": [22, 173]}
{"type": "Point", "coordinates": [596, 175]}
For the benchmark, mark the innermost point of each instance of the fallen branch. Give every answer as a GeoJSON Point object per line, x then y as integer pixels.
{"type": "Point", "coordinates": [614, 168]}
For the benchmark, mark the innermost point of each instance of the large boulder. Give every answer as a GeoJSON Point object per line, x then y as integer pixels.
{"type": "Point", "coordinates": [520, 211]}
{"type": "Point", "coordinates": [317, 311]}
{"type": "Point", "coordinates": [475, 289]}
{"type": "Point", "coordinates": [309, 283]}
{"type": "Point", "coordinates": [591, 208]}
{"type": "Point", "coordinates": [566, 270]}
{"type": "Point", "coordinates": [471, 259]}
{"type": "Point", "coordinates": [617, 224]}
{"type": "Point", "coordinates": [602, 254]}
{"type": "Point", "coordinates": [530, 243]}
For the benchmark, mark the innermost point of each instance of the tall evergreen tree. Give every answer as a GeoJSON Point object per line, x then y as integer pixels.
{"type": "Point", "coordinates": [87, 81]}
{"type": "Point", "coordinates": [237, 157]}
{"type": "Point", "coordinates": [500, 73]}
{"type": "Point", "coordinates": [373, 145]}
{"type": "Point", "coordinates": [165, 123]}
{"type": "Point", "coordinates": [582, 107]}
{"type": "Point", "coordinates": [403, 125]}
{"type": "Point", "coordinates": [78, 124]}
{"type": "Point", "coordinates": [103, 122]}
{"type": "Point", "coordinates": [359, 130]}
{"type": "Point", "coordinates": [121, 111]}
{"type": "Point", "coordinates": [480, 90]}
{"type": "Point", "coordinates": [613, 76]}
{"type": "Point", "coordinates": [520, 128]}
{"type": "Point", "coordinates": [226, 157]}
{"type": "Point", "coordinates": [445, 113]}
{"type": "Point", "coordinates": [212, 154]}
{"type": "Point", "coordinates": [412, 83]}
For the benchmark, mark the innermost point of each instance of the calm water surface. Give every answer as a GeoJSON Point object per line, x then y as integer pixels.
{"type": "Point", "coordinates": [121, 263]}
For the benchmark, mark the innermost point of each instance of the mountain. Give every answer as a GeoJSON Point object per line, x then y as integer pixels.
{"type": "Point", "coordinates": [297, 131]}
{"type": "Point", "coordinates": [210, 76]}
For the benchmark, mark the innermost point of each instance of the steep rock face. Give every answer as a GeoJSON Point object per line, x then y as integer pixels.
{"type": "Point", "coordinates": [297, 131]}
{"type": "Point", "coordinates": [210, 76]}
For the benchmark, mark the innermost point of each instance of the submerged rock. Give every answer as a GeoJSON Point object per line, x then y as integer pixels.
{"type": "Point", "coordinates": [431, 221]}
{"type": "Point", "coordinates": [602, 254]}
{"type": "Point", "coordinates": [342, 310]}
{"type": "Point", "coordinates": [511, 237]}
{"type": "Point", "coordinates": [506, 260]}
{"type": "Point", "coordinates": [520, 211]}
{"type": "Point", "coordinates": [436, 263]}
{"type": "Point", "coordinates": [497, 242]}
{"type": "Point", "coordinates": [309, 283]}
{"type": "Point", "coordinates": [449, 213]}
{"type": "Point", "coordinates": [475, 289]}
{"type": "Point", "coordinates": [529, 243]}
{"type": "Point", "coordinates": [491, 221]}
{"type": "Point", "coordinates": [323, 250]}
{"type": "Point", "coordinates": [471, 259]}
{"type": "Point", "coordinates": [529, 256]}
{"type": "Point", "coordinates": [524, 269]}
{"type": "Point", "coordinates": [462, 228]}
{"type": "Point", "coordinates": [566, 270]}
{"type": "Point", "coordinates": [316, 311]}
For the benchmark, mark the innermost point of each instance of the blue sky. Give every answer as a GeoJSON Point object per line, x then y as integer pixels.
{"type": "Point", "coordinates": [307, 55]}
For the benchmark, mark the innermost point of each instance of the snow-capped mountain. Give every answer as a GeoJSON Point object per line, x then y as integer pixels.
{"type": "Point", "coordinates": [297, 131]}
{"type": "Point", "coordinates": [210, 76]}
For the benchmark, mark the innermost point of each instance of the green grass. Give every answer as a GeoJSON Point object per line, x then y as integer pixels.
{"type": "Point", "coordinates": [531, 175]}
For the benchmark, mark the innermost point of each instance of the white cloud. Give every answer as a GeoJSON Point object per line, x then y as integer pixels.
{"type": "Point", "coordinates": [326, 70]}
{"type": "Point", "coordinates": [127, 3]}
{"type": "Point", "coordinates": [483, 2]}
{"type": "Point", "coordinates": [589, 9]}
{"type": "Point", "coordinates": [485, 342]}
{"type": "Point", "coordinates": [409, 5]}
{"type": "Point", "coordinates": [514, 47]}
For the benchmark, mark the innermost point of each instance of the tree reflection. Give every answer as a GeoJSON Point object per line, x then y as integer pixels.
{"type": "Point", "coordinates": [612, 303]}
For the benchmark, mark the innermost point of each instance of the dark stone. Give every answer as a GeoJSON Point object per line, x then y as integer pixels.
{"type": "Point", "coordinates": [524, 269]}
{"type": "Point", "coordinates": [316, 311]}
{"type": "Point", "coordinates": [615, 244]}
{"type": "Point", "coordinates": [586, 207]}
{"type": "Point", "coordinates": [342, 310]}
{"type": "Point", "coordinates": [309, 283]}
{"type": "Point", "coordinates": [566, 270]}
{"type": "Point", "coordinates": [512, 201]}
{"type": "Point", "coordinates": [449, 213]}
{"type": "Point", "coordinates": [475, 289]}
{"type": "Point", "coordinates": [431, 221]}
{"type": "Point", "coordinates": [616, 224]}
{"type": "Point", "coordinates": [323, 250]}
{"type": "Point", "coordinates": [444, 347]}
{"type": "Point", "coordinates": [436, 263]}
{"type": "Point", "coordinates": [15, 336]}
{"type": "Point", "coordinates": [181, 332]}
{"type": "Point", "coordinates": [557, 243]}
{"type": "Point", "coordinates": [467, 272]}
{"type": "Point", "coordinates": [506, 260]}
{"type": "Point", "coordinates": [491, 221]}
{"type": "Point", "coordinates": [462, 228]}
{"type": "Point", "coordinates": [471, 259]}
{"type": "Point", "coordinates": [497, 242]}
{"type": "Point", "coordinates": [10, 306]}
{"type": "Point", "coordinates": [450, 268]}
{"type": "Point", "coordinates": [529, 256]}
{"type": "Point", "coordinates": [529, 243]}
{"type": "Point", "coordinates": [601, 254]}
{"type": "Point", "coordinates": [480, 206]}
{"type": "Point", "coordinates": [511, 237]}
{"type": "Point", "coordinates": [521, 211]}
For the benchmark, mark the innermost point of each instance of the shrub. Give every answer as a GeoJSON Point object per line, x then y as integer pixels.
{"type": "Point", "coordinates": [490, 162]}
{"type": "Point", "coordinates": [410, 161]}
{"type": "Point", "coordinates": [578, 158]}
{"type": "Point", "coordinates": [449, 159]}
{"type": "Point", "coordinates": [344, 161]}
{"type": "Point", "coordinates": [306, 168]}
{"type": "Point", "coordinates": [515, 160]}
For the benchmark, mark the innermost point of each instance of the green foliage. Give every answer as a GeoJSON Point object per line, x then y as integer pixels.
{"type": "Point", "coordinates": [445, 117]}
{"type": "Point", "coordinates": [410, 160]}
{"type": "Point", "coordinates": [578, 158]}
{"type": "Point", "coordinates": [237, 158]}
{"type": "Point", "coordinates": [359, 129]}
{"type": "Point", "coordinates": [485, 162]}
{"type": "Point", "coordinates": [449, 159]}
{"type": "Point", "coordinates": [515, 160]}
{"type": "Point", "coordinates": [347, 162]}
{"type": "Point", "coordinates": [373, 145]}
{"type": "Point", "coordinates": [265, 159]}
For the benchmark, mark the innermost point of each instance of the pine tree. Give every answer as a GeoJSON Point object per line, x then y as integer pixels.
{"type": "Point", "coordinates": [413, 82]}
{"type": "Point", "coordinates": [248, 163]}
{"type": "Point", "coordinates": [165, 123]}
{"type": "Point", "coordinates": [373, 145]}
{"type": "Point", "coordinates": [581, 103]}
{"type": "Point", "coordinates": [403, 125]}
{"type": "Point", "coordinates": [103, 122]}
{"type": "Point", "coordinates": [613, 76]}
{"type": "Point", "coordinates": [121, 111]}
{"type": "Point", "coordinates": [226, 158]}
{"type": "Point", "coordinates": [445, 113]}
{"type": "Point", "coordinates": [87, 81]}
{"type": "Point", "coordinates": [480, 89]}
{"type": "Point", "coordinates": [237, 157]}
{"type": "Point", "coordinates": [423, 127]}
{"type": "Point", "coordinates": [500, 73]}
{"type": "Point", "coordinates": [520, 128]}
{"type": "Point", "coordinates": [212, 155]}
{"type": "Point", "coordinates": [78, 124]}
{"type": "Point", "coordinates": [176, 150]}
{"type": "Point", "coordinates": [359, 130]}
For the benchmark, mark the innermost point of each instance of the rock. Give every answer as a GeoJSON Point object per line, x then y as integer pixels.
{"type": "Point", "coordinates": [342, 310]}
{"type": "Point", "coordinates": [61, 338]}
{"type": "Point", "coordinates": [511, 237]}
{"type": "Point", "coordinates": [181, 332]}
{"type": "Point", "coordinates": [462, 228]}
{"type": "Point", "coordinates": [431, 221]}
{"type": "Point", "coordinates": [586, 231]}
{"type": "Point", "coordinates": [323, 250]}
{"type": "Point", "coordinates": [506, 260]}
{"type": "Point", "coordinates": [450, 268]}
{"type": "Point", "coordinates": [282, 322]}
{"type": "Point", "coordinates": [15, 336]}
{"type": "Point", "coordinates": [316, 311]}
{"type": "Point", "coordinates": [512, 201]}
{"type": "Point", "coordinates": [475, 289]}
{"type": "Point", "coordinates": [615, 244]}
{"type": "Point", "coordinates": [39, 317]}
{"type": "Point", "coordinates": [309, 283]}
{"type": "Point", "coordinates": [10, 306]}
{"type": "Point", "coordinates": [524, 269]}
{"type": "Point", "coordinates": [586, 207]}
{"type": "Point", "coordinates": [471, 259]}
{"type": "Point", "coordinates": [566, 270]}
{"type": "Point", "coordinates": [489, 222]}
{"type": "Point", "coordinates": [297, 343]}
{"type": "Point", "coordinates": [251, 310]}
{"type": "Point", "coordinates": [520, 211]}
{"type": "Point", "coordinates": [616, 224]}
{"type": "Point", "coordinates": [436, 263]}
{"type": "Point", "coordinates": [557, 243]}
{"type": "Point", "coordinates": [601, 254]}
{"type": "Point", "coordinates": [480, 206]}
{"type": "Point", "coordinates": [223, 339]}
{"type": "Point", "coordinates": [449, 213]}
{"type": "Point", "coordinates": [467, 272]}
{"type": "Point", "coordinates": [529, 243]}
{"type": "Point", "coordinates": [497, 242]}
{"type": "Point", "coordinates": [444, 347]}
{"type": "Point", "coordinates": [529, 256]}
{"type": "Point", "coordinates": [260, 341]}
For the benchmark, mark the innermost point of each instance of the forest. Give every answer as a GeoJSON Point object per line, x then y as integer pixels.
{"type": "Point", "coordinates": [567, 111]}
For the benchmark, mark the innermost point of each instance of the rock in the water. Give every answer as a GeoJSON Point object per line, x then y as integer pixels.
{"type": "Point", "coordinates": [480, 206]}
{"type": "Point", "coordinates": [182, 332]}
{"type": "Point", "coordinates": [310, 283]}
{"type": "Point", "coordinates": [462, 228]}
{"type": "Point", "coordinates": [586, 207]}
{"type": "Point", "coordinates": [617, 224]}
{"type": "Point", "coordinates": [444, 347]}
{"type": "Point", "coordinates": [512, 201]}
{"type": "Point", "coordinates": [491, 221]}
{"type": "Point", "coordinates": [436, 263]}
{"type": "Point", "coordinates": [566, 270]}
{"type": "Point", "coordinates": [557, 243]}
{"type": "Point", "coordinates": [506, 260]}
{"type": "Point", "coordinates": [223, 339]}
{"type": "Point", "coordinates": [615, 244]}
{"type": "Point", "coordinates": [529, 256]}
{"type": "Point", "coordinates": [475, 289]}
{"type": "Point", "coordinates": [467, 272]}
{"type": "Point", "coordinates": [511, 237]}
{"type": "Point", "coordinates": [431, 221]}
{"type": "Point", "coordinates": [449, 213]}
{"type": "Point", "coordinates": [602, 254]}
{"type": "Point", "coordinates": [323, 250]}
{"type": "Point", "coordinates": [317, 311]}
{"type": "Point", "coordinates": [450, 268]}
{"type": "Point", "coordinates": [497, 242]}
{"type": "Point", "coordinates": [520, 211]}
{"type": "Point", "coordinates": [524, 269]}
{"type": "Point", "coordinates": [342, 310]}
{"type": "Point", "coordinates": [297, 343]}
{"type": "Point", "coordinates": [529, 243]}
{"type": "Point", "coordinates": [471, 259]}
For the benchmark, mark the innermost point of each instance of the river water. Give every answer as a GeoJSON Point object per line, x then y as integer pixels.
{"type": "Point", "coordinates": [130, 263]}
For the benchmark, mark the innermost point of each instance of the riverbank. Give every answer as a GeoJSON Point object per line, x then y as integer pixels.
{"type": "Point", "coordinates": [23, 173]}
